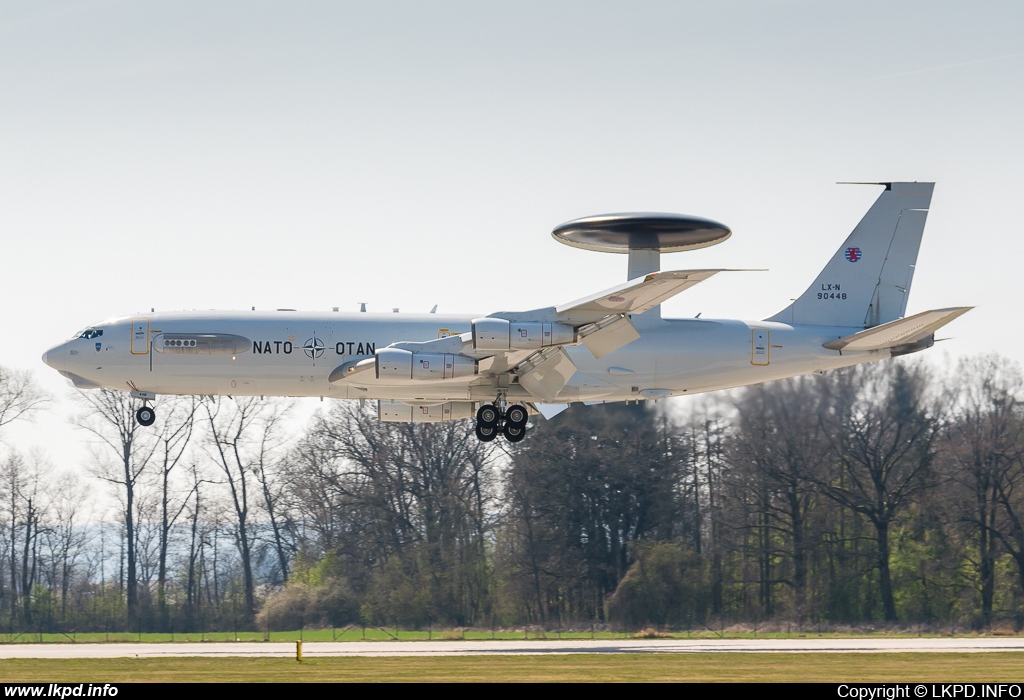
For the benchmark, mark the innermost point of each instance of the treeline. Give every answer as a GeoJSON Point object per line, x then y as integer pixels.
{"type": "Point", "coordinates": [880, 494]}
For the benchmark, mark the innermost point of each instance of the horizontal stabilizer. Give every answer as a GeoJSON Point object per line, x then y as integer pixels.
{"type": "Point", "coordinates": [900, 332]}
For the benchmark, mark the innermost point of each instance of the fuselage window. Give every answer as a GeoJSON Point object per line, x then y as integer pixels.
{"type": "Point", "coordinates": [201, 344]}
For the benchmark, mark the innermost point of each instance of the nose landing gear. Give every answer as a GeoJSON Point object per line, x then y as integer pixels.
{"type": "Point", "coordinates": [493, 419]}
{"type": "Point", "coordinates": [146, 416]}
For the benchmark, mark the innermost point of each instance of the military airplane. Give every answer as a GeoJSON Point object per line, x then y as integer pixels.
{"type": "Point", "coordinates": [501, 368]}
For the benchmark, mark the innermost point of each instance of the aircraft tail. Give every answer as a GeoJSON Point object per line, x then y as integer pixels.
{"type": "Point", "coordinates": [867, 281]}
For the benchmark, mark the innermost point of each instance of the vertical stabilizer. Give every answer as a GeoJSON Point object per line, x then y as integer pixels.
{"type": "Point", "coordinates": [867, 281]}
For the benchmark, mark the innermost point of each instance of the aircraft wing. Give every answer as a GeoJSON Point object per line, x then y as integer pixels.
{"type": "Point", "coordinates": [603, 318]}
{"type": "Point", "coordinates": [601, 322]}
{"type": "Point", "coordinates": [902, 331]}
{"type": "Point", "coordinates": [632, 297]}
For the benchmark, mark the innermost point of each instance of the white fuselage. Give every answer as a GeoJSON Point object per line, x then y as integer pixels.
{"type": "Point", "coordinates": [288, 353]}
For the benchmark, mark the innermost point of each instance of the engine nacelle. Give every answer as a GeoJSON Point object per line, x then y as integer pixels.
{"type": "Point", "coordinates": [499, 334]}
{"type": "Point", "coordinates": [394, 363]}
{"type": "Point", "coordinates": [398, 412]}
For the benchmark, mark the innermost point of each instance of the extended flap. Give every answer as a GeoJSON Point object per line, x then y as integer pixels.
{"type": "Point", "coordinates": [545, 375]}
{"type": "Point", "coordinates": [550, 410]}
{"type": "Point", "coordinates": [608, 335]}
{"type": "Point", "coordinates": [583, 386]}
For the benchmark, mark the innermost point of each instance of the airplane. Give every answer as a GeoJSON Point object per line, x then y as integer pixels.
{"type": "Point", "coordinates": [504, 367]}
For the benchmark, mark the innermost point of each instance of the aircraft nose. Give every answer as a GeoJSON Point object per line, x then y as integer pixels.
{"type": "Point", "coordinates": [54, 357]}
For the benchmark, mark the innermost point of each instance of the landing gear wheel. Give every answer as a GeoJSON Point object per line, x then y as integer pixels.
{"type": "Point", "coordinates": [514, 433]}
{"type": "Point", "coordinates": [486, 433]}
{"type": "Point", "coordinates": [488, 415]}
{"type": "Point", "coordinates": [516, 415]}
{"type": "Point", "coordinates": [146, 416]}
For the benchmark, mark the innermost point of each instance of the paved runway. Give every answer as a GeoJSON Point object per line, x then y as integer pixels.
{"type": "Point", "coordinates": [488, 648]}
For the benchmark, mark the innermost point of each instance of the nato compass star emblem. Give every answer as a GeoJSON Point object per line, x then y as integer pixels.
{"type": "Point", "coordinates": [314, 348]}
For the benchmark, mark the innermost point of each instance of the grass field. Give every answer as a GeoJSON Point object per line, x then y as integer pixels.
{"type": "Point", "coordinates": [386, 634]}
{"type": "Point", "coordinates": [830, 668]}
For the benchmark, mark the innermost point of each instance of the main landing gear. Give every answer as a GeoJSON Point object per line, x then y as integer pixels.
{"type": "Point", "coordinates": [492, 420]}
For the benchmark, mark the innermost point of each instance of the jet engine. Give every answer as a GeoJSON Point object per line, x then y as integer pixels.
{"type": "Point", "coordinates": [499, 334]}
{"type": "Point", "coordinates": [398, 412]}
{"type": "Point", "coordinates": [395, 363]}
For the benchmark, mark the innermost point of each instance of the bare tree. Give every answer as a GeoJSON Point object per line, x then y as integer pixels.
{"type": "Point", "coordinates": [883, 431]}
{"type": "Point", "coordinates": [777, 446]}
{"type": "Point", "coordinates": [110, 417]}
{"type": "Point", "coordinates": [197, 540]}
{"type": "Point", "coordinates": [582, 493]}
{"type": "Point", "coordinates": [411, 505]}
{"type": "Point", "coordinates": [173, 440]}
{"type": "Point", "coordinates": [23, 480]}
{"type": "Point", "coordinates": [242, 433]}
{"type": "Point", "coordinates": [703, 443]}
{"type": "Point", "coordinates": [272, 487]}
{"type": "Point", "coordinates": [68, 496]}
{"type": "Point", "coordinates": [315, 478]}
{"type": "Point", "coordinates": [984, 446]}
{"type": "Point", "coordinates": [20, 396]}
{"type": "Point", "coordinates": [987, 456]}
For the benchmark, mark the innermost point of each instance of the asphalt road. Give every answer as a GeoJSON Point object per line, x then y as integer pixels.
{"type": "Point", "coordinates": [486, 648]}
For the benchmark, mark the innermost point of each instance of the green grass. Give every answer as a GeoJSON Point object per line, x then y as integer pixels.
{"type": "Point", "coordinates": [386, 634]}
{"type": "Point", "coordinates": [830, 668]}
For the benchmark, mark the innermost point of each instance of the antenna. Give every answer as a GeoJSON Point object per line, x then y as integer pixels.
{"type": "Point", "coordinates": [434, 310]}
{"type": "Point", "coordinates": [362, 307]}
{"type": "Point", "coordinates": [888, 185]}
{"type": "Point", "coordinates": [643, 236]}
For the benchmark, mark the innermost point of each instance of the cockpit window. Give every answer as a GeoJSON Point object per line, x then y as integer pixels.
{"type": "Point", "coordinates": [89, 333]}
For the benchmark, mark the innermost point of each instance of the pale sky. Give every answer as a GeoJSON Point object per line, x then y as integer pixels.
{"type": "Point", "coordinates": [195, 155]}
